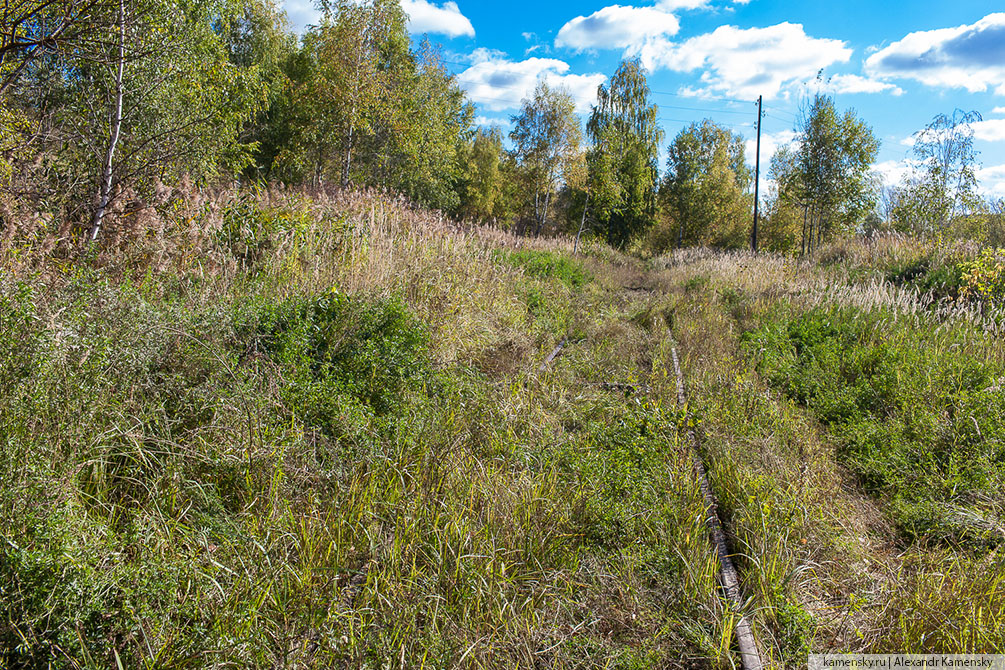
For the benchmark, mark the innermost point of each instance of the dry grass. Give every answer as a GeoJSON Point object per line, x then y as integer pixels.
{"type": "Point", "coordinates": [809, 536]}
{"type": "Point", "coordinates": [195, 503]}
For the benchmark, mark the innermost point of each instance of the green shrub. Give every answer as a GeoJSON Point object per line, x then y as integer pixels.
{"type": "Point", "coordinates": [942, 278]}
{"type": "Point", "coordinates": [546, 265]}
{"type": "Point", "coordinates": [918, 422]}
{"type": "Point", "coordinates": [337, 351]}
{"type": "Point", "coordinates": [983, 278]}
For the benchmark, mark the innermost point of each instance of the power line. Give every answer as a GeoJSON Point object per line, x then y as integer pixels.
{"type": "Point", "coordinates": [778, 118]}
{"type": "Point", "coordinates": [701, 109]}
{"type": "Point", "coordinates": [704, 97]}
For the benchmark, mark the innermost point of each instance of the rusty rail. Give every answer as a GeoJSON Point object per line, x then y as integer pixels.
{"type": "Point", "coordinates": [750, 657]}
{"type": "Point", "coordinates": [551, 356]}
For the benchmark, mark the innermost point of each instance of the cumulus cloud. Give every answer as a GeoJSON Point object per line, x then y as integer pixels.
{"type": "Point", "coordinates": [616, 27]}
{"type": "Point", "coordinates": [497, 83]}
{"type": "Point", "coordinates": [747, 62]}
{"type": "Point", "coordinates": [424, 17]}
{"type": "Point", "coordinates": [770, 143]}
{"type": "Point", "coordinates": [968, 56]}
{"type": "Point", "coordinates": [990, 130]}
{"type": "Point", "coordinates": [626, 26]}
{"type": "Point", "coordinates": [893, 172]}
{"type": "Point", "coordinates": [853, 83]}
{"type": "Point", "coordinates": [446, 19]}
{"type": "Point", "coordinates": [992, 180]}
{"type": "Point", "coordinates": [998, 110]}
{"type": "Point", "coordinates": [674, 5]}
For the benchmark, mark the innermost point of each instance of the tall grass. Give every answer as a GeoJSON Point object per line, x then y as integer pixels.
{"type": "Point", "coordinates": [832, 560]}
{"type": "Point", "coordinates": [288, 430]}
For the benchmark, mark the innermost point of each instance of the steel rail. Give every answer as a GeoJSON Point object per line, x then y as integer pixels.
{"type": "Point", "coordinates": [750, 657]}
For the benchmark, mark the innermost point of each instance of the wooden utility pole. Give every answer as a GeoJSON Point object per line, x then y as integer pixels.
{"type": "Point", "coordinates": [757, 176]}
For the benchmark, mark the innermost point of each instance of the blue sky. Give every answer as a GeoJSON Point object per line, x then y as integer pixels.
{"type": "Point", "coordinates": [897, 64]}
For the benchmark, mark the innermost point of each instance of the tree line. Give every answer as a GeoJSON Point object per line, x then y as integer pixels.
{"type": "Point", "coordinates": [106, 100]}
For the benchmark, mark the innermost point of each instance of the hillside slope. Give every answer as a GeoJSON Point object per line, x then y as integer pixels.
{"type": "Point", "coordinates": [285, 431]}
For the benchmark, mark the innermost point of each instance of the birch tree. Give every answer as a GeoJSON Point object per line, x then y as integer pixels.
{"type": "Point", "coordinates": [705, 188]}
{"type": "Point", "coordinates": [625, 137]}
{"type": "Point", "coordinates": [547, 141]}
{"type": "Point", "coordinates": [944, 183]}
{"type": "Point", "coordinates": [833, 160]}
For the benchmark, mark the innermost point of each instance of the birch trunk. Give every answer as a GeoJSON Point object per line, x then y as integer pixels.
{"type": "Point", "coordinates": [582, 224]}
{"type": "Point", "coordinates": [115, 127]}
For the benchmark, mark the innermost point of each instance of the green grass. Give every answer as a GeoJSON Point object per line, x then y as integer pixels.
{"type": "Point", "coordinates": [547, 265]}
{"type": "Point", "coordinates": [251, 469]}
{"type": "Point", "coordinates": [919, 417]}
{"type": "Point", "coordinates": [302, 447]}
{"type": "Point", "coordinates": [781, 377]}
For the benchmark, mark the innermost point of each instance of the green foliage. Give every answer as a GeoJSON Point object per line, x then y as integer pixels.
{"type": "Point", "coordinates": [483, 191]}
{"type": "Point", "coordinates": [623, 159]}
{"type": "Point", "coordinates": [189, 124]}
{"type": "Point", "coordinates": [362, 108]}
{"type": "Point", "coordinates": [429, 136]}
{"type": "Point", "coordinates": [546, 137]}
{"type": "Point", "coordinates": [944, 185]}
{"type": "Point", "coordinates": [940, 277]}
{"type": "Point", "coordinates": [349, 67]}
{"type": "Point", "coordinates": [919, 420]}
{"type": "Point", "coordinates": [983, 278]}
{"type": "Point", "coordinates": [705, 188]}
{"type": "Point", "coordinates": [616, 459]}
{"type": "Point", "coordinates": [795, 628]}
{"type": "Point", "coordinates": [547, 265]}
{"type": "Point", "coordinates": [335, 349]}
{"type": "Point", "coordinates": [829, 172]}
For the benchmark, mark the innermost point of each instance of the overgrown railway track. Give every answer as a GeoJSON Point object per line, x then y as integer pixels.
{"type": "Point", "coordinates": [750, 657]}
{"type": "Point", "coordinates": [729, 580]}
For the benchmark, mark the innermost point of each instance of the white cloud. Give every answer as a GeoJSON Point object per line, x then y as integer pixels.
{"type": "Point", "coordinates": [770, 143]}
{"type": "Point", "coordinates": [991, 130]}
{"type": "Point", "coordinates": [426, 17]}
{"type": "Point", "coordinates": [747, 62]}
{"type": "Point", "coordinates": [497, 83]}
{"type": "Point", "coordinates": [893, 172]}
{"type": "Point", "coordinates": [301, 13]}
{"type": "Point", "coordinates": [487, 122]}
{"type": "Point", "coordinates": [992, 180]}
{"type": "Point", "coordinates": [616, 27]}
{"type": "Point", "coordinates": [968, 56]}
{"type": "Point", "coordinates": [674, 5]}
{"type": "Point", "coordinates": [998, 110]}
{"type": "Point", "coordinates": [853, 83]}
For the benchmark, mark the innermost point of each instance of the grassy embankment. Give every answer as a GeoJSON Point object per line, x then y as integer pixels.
{"type": "Point", "coordinates": [276, 431]}
{"type": "Point", "coordinates": [282, 432]}
{"type": "Point", "coordinates": [856, 435]}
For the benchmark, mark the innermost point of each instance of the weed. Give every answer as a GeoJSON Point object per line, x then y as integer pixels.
{"type": "Point", "coordinates": [547, 265]}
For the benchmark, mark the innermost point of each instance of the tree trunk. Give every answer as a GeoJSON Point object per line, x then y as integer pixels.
{"type": "Point", "coordinates": [802, 241]}
{"type": "Point", "coordinates": [348, 155]}
{"type": "Point", "coordinates": [347, 167]}
{"type": "Point", "coordinates": [544, 214]}
{"type": "Point", "coordinates": [582, 224]}
{"type": "Point", "coordinates": [115, 128]}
